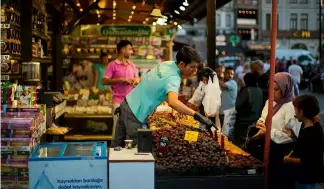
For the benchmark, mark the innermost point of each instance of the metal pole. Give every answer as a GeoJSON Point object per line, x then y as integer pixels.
{"type": "Point", "coordinates": [271, 86]}
{"type": "Point", "coordinates": [211, 33]}
{"type": "Point", "coordinates": [320, 32]}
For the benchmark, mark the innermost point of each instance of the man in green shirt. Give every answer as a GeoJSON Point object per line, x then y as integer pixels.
{"type": "Point", "coordinates": [99, 71]}
{"type": "Point", "coordinates": [160, 84]}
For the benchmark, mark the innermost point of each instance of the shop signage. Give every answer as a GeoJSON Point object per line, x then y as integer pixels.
{"type": "Point", "coordinates": [259, 46]}
{"type": "Point", "coordinates": [221, 40]}
{"type": "Point", "coordinates": [302, 34]}
{"type": "Point", "coordinates": [115, 31]}
{"type": "Point", "coordinates": [224, 40]}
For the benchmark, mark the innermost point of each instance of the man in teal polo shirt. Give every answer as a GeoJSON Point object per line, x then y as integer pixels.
{"type": "Point", "coordinates": [160, 84]}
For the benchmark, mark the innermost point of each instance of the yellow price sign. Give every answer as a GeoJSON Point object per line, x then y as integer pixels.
{"type": "Point", "coordinates": [191, 136]}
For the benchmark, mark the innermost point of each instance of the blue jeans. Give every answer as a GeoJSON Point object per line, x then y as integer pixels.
{"type": "Point", "coordinates": [305, 186]}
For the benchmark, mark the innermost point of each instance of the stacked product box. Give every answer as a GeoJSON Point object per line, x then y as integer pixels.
{"type": "Point", "coordinates": [21, 131]}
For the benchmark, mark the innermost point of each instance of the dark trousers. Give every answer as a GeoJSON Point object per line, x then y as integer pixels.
{"type": "Point", "coordinates": [276, 175]}
{"type": "Point", "coordinates": [127, 125]}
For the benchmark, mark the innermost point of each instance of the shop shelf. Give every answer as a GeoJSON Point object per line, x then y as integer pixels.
{"type": "Point", "coordinates": [42, 36]}
{"type": "Point", "coordinates": [88, 137]}
{"type": "Point", "coordinates": [66, 115]}
{"type": "Point", "coordinates": [42, 60]}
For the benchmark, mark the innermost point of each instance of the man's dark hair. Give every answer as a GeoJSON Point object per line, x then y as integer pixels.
{"type": "Point", "coordinates": [187, 54]}
{"type": "Point", "coordinates": [123, 43]}
{"type": "Point", "coordinates": [103, 55]}
{"type": "Point", "coordinates": [229, 68]}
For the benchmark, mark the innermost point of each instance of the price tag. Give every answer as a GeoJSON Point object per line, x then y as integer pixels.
{"type": "Point", "coordinates": [191, 136]}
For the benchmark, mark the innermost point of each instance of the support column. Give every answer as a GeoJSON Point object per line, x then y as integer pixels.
{"type": "Point", "coordinates": [211, 33]}
{"type": "Point", "coordinates": [57, 81]}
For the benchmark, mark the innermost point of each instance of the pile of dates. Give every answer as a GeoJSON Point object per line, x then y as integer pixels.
{"type": "Point", "coordinates": [243, 161]}
{"type": "Point", "coordinates": [176, 156]}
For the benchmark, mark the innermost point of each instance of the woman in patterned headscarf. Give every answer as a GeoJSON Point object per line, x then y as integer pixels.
{"type": "Point", "coordinates": [282, 139]}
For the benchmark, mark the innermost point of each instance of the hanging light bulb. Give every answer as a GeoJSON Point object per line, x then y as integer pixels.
{"type": "Point", "coordinates": [99, 15]}
{"type": "Point", "coordinates": [177, 12]}
{"type": "Point", "coordinates": [146, 19]}
{"type": "Point", "coordinates": [175, 23]}
{"type": "Point", "coordinates": [132, 12]}
{"type": "Point", "coordinates": [180, 27]}
{"type": "Point", "coordinates": [182, 8]}
{"type": "Point", "coordinates": [134, 7]}
{"type": "Point", "coordinates": [78, 4]}
{"type": "Point", "coordinates": [97, 11]}
{"type": "Point", "coordinates": [143, 2]}
{"type": "Point", "coordinates": [81, 9]}
{"type": "Point", "coordinates": [114, 18]}
{"type": "Point", "coordinates": [154, 23]}
{"type": "Point", "coordinates": [129, 20]}
{"type": "Point", "coordinates": [98, 24]}
{"type": "Point", "coordinates": [185, 3]}
{"type": "Point", "coordinates": [114, 14]}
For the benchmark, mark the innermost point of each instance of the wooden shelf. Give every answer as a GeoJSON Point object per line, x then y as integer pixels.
{"type": "Point", "coordinates": [42, 60]}
{"type": "Point", "coordinates": [88, 137]}
{"type": "Point", "coordinates": [10, 57]}
{"type": "Point", "coordinates": [66, 115]}
{"type": "Point", "coordinates": [42, 36]}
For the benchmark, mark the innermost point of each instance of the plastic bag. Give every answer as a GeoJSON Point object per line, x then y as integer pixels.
{"type": "Point", "coordinates": [198, 95]}
{"type": "Point", "coordinates": [229, 121]}
{"type": "Point", "coordinates": [212, 98]}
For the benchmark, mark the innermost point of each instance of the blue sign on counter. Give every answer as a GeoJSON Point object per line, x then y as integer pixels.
{"type": "Point", "coordinates": [74, 165]}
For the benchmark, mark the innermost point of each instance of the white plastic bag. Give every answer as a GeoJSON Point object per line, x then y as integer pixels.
{"type": "Point", "coordinates": [229, 121]}
{"type": "Point", "coordinates": [212, 98]}
{"type": "Point", "coordinates": [198, 95]}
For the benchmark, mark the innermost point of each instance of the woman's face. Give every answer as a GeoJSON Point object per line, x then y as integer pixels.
{"type": "Point", "coordinates": [277, 93]}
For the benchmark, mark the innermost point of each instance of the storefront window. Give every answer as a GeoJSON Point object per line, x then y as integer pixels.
{"type": "Point", "coordinates": [293, 21]}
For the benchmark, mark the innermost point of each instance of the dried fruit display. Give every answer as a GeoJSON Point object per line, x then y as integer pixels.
{"type": "Point", "coordinates": [179, 157]}
{"type": "Point", "coordinates": [243, 161]}
{"type": "Point", "coordinates": [176, 156]}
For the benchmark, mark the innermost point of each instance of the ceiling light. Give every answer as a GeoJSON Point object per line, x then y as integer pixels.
{"type": "Point", "coordinates": [132, 12]}
{"type": "Point", "coordinates": [180, 27]}
{"type": "Point", "coordinates": [177, 12]}
{"type": "Point", "coordinates": [134, 7]}
{"type": "Point", "coordinates": [182, 8]}
{"type": "Point", "coordinates": [81, 9]}
{"type": "Point", "coordinates": [154, 23]}
{"type": "Point", "coordinates": [146, 19]}
{"type": "Point", "coordinates": [175, 23]}
{"type": "Point", "coordinates": [114, 14]}
{"type": "Point", "coordinates": [185, 3]}
{"type": "Point", "coordinates": [156, 12]}
{"type": "Point", "coordinates": [99, 15]}
{"type": "Point", "coordinates": [78, 4]}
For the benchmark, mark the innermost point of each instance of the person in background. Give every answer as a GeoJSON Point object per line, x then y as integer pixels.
{"type": "Point", "coordinates": [248, 107]}
{"type": "Point", "coordinates": [99, 72]}
{"type": "Point", "coordinates": [296, 71]}
{"type": "Point", "coordinates": [307, 156]}
{"type": "Point", "coordinates": [283, 116]}
{"type": "Point", "coordinates": [239, 68]}
{"type": "Point", "coordinates": [266, 66]}
{"type": "Point", "coordinates": [262, 77]}
{"type": "Point", "coordinates": [220, 70]}
{"type": "Point", "coordinates": [240, 78]}
{"type": "Point", "coordinates": [160, 84]}
{"type": "Point", "coordinates": [229, 93]}
{"type": "Point", "coordinates": [121, 75]}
